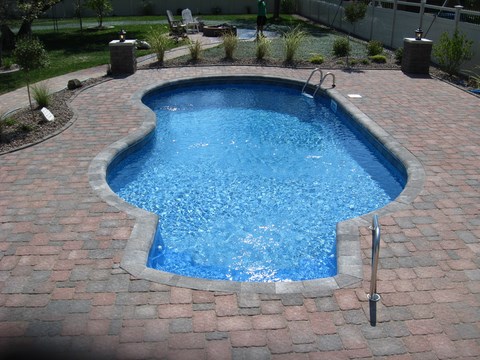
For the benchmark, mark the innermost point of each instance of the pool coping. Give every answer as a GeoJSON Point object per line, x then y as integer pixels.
{"type": "Point", "coordinates": [349, 255]}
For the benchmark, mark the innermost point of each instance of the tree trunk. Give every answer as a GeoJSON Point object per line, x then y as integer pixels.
{"type": "Point", "coordinates": [7, 38]}
{"type": "Point", "coordinates": [25, 29]}
{"type": "Point", "coordinates": [276, 9]}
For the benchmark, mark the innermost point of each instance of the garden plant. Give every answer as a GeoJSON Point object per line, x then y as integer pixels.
{"type": "Point", "coordinates": [30, 54]}
{"type": "Point", "coordinates": [262, 48]}
{"type": "Point", "coordinates": [230, 44]}
{"type": "Point", "coordinates": [195, 49]}
{"type": "Point", "coordinates": [159, 42]}
{"type": "Point", "coordinates": [292, 41]}
{"type": "Point", "coordinates": [451, 52]}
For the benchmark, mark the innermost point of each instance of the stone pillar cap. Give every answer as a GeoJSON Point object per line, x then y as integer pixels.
{"type": "Point", "coordinates": [413, 40]}
{"type": "Point", "coordinates": [123, 43]}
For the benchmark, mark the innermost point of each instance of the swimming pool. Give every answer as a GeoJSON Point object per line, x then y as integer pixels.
{"type": "Point", "coordinates": [276, 181]}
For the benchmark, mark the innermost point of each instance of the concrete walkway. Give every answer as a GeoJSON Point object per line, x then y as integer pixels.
{"type": "Point", "coordinates": [19, 98]}
{"type": "Point", "coordinates": [64, 293]}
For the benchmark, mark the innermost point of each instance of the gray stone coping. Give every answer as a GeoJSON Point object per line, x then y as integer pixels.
{"type": "Point", "coordinates": [349, 256]}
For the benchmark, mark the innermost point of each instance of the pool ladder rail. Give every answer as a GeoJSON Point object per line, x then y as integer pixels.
{"type": "Point", "coordinates": [319, 85]}
{"type": "Point", "coordinates": [373, 296]}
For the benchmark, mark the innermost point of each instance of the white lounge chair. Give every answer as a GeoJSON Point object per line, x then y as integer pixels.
{"type": "Point", "coordinates": [190, 22]}
{"type": "Point", "coordinates": [177, 28]}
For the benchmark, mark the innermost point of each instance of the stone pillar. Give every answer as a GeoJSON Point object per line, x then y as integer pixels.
{"type": "Point", "coordinates": [416, 56]}
{"type": "Point", "coordinates": [122, 57]}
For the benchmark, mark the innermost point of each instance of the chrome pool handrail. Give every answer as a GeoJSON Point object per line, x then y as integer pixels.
{"type": "Point", "coordinates": [322, 79]}
{"type": "Point", "coordinates": [373, 296]}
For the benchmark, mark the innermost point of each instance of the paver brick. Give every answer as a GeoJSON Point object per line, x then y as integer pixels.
{"type": "Point", "coordinates": [269, 322]}
{"type": "Point", "coordinates": [61, 245]}
{"type": "Point", "coordinates": [347, 299]}
{"type": "Point", "coordinates": [226, 305]}
{"type": "Point", "coordinates": [187, 341]}
{"type": "Point", "coordinates": [204, 321]}
{"type": "Point", "coordinates": [234, 323]}
{"type": "Point", "coordinates": [218, 349]}
{"type": "Point", "coordinates": [248, 338]}
{"type": "Point", "coordinates": [279, 341]}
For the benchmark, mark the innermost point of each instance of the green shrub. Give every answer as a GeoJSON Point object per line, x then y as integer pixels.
{"type": "Point", "coordinates": [230, 43]}
{"type": "Point", "coordinates": [341, 47]}
{"type": "Point", "coordinates": [451, 52]}
{"type": "Point", "coordinates": [41, 94]}
{"type": "Point", "coordinates": [7, 63]}
{"type": "Point", "coordinates": [379, 59]}
{"type": "Point", "coordinates": [317, 59]}
{"type": "Point", "coordinates": [160, 42]}
{"type": "Point", "coordinates": [365, 61]}
{"type": "Point", "coordinates": [195, 49]}
{"type": "Point", "coordinates": [26, 128]}
{"type": "Point", "coordinates": [263, 47]}
{"type": "Point", "coordinates": [292, 41]}
{"type": "Point", "coordinates": [374, 47]}
{"type": "Point", "coordinates": [9, 122]}
{"type": "Point", "coordinates": [353, 62]}
{"type": "Point", "coordinates": [399, 55]}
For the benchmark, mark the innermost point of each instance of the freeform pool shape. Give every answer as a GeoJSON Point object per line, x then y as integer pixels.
{"type": "Point", "coordinates": [250, 180]}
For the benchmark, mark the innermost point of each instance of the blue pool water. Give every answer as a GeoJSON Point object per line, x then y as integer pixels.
{"type": "Point", "coordinates": [249, 181]}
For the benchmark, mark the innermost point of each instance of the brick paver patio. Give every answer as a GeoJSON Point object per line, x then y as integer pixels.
{"type": "Point", "coordinates": [62, 290]}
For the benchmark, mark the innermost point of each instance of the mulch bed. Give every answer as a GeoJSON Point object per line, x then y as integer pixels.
{"type": "Point", "coordinates": [25, 126]}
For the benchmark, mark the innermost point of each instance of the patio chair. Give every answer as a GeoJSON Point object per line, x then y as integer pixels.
{"type": "Point", "coordinates": [190, 22]}
{"type": "Point", "coordinates": [177, 28]}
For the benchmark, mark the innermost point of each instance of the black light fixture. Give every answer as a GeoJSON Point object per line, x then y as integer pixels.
{"type": "Point", "coordinates": [122, 34]}
{"type": "Point", "coordinates": [418, 34]}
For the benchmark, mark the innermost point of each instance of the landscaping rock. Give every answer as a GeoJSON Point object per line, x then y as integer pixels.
{"type": "Point", "coordinates": [142, 45]}
{"type": "Point", "coordinates": [74, 84]}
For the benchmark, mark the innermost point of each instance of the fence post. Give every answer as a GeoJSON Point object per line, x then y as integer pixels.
{"type": "Point", "coordinates": [395, 2]}
{"type": "Point", "coordinates": [458, 9]}
{"type": "Point", "coordinates": [374, 4]}
{"type": "Point", "coordinates": [422, 12]}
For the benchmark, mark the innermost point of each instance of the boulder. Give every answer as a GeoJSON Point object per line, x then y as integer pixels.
{"type": "Point", "coordinates": [74, 84]}
{"type": "Point", "coordinates": [142, 45]}
{"type": "Point", "coordinates": [47, 115]}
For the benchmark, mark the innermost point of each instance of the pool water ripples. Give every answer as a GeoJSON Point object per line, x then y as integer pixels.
{"type": "Point", "coordinates": [249, 182]}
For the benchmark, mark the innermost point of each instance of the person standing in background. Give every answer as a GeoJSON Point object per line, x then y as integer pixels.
{"type": "Point", "coordinates": [261, 16]}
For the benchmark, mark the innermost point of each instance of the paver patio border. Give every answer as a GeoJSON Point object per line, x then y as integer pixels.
{"type": "Point", "coordinates": [349, 259]}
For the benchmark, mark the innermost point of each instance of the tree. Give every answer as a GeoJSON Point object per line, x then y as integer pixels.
{"type": "Point", "coordinates": [31, 10]}
{"type": "Point", "coordinates": [101, 8]}
{"type": "Point", "coordinates": [276, 9]}
{"type": "Point", "coordinates": [30, 54]}
{"type": "Point", "coordinates": [354, 12]}
{"type": "Point", "coordinates": [6, 35]}
{"type": "Point", "coordinates": [78, 4]}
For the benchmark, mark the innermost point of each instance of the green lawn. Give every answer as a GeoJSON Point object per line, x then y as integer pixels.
{"type": "Point", "coordinates": [70, 49]}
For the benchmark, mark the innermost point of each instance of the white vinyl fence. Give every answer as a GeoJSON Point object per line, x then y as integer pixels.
{"type": "Point", "coordinates": [385, 23]}
{"type": "Point", "coordinates": [159, 7]}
